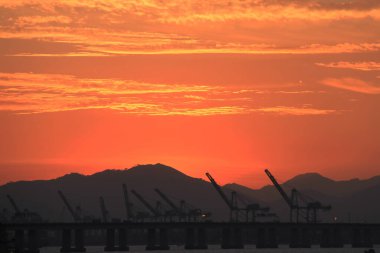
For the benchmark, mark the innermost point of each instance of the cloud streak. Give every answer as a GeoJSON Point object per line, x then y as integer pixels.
{"type": "Point", "coordinates": [43, 93]}
{"type": "Point", "coordinates": [364, 66]}
{"type": "Point", "coordinates": [109, 28]}
{"type": "Point", "coordinates": [297, 111]}
{"type": "Point", "coordinates": [352, 84]}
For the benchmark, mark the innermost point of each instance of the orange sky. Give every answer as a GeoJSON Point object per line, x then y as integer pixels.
{"type": "Point", "coordinates": [230, 87]}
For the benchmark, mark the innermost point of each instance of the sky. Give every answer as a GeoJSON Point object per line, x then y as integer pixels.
{"type": "Point", "coordinates": [226, 86]}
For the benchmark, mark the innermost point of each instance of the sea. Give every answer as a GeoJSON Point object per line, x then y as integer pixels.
{"type": "Point", "coordinates": [216, 249]}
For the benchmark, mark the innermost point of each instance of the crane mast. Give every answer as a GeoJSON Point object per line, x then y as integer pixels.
{"type": "Point", "coordinates": [71, 210]}
{"type": "Point", "coordinates": [279, 189]}
{"type": "Point", "coordinates": [105, 213]}
{"type": "Point", "coordinates": [220, 191]}
{"type": "Point", "coordinates": [289, 201]}
{"type": "Point", "coordinates": [311, 207]}
{"type": "Point", "coordinates": [167, 200]}
{"type": "Point", "coordinates": [13, 203]}
{"type": "Point", "coordinates": [128, 205]}
{"type": "Point", "coordinates": [145, 203]}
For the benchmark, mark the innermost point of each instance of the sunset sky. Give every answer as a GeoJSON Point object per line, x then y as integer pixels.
{"type": "Point", "coordinates": [226, 86]}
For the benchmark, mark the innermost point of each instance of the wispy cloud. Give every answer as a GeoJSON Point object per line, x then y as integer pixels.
{"type": "Point", "coordinates": [37, 93]}
{"type": "Point", "coordinates": [364, 66]}
{"type": "Point", "coordinates": [352, 84]}
{"type": "Point", "coordinates": [110, 28]}
{"type": "Point", "coordinates": [297, 111]}
{"type": "Point", "coordinates": [42, 93]}
{"type": "Point", "coordinates": [268, 13]}
{"type": "Point", "coordinates": [217, 110]}
{"type": "Point", "coordinates": [31, 21]}
{"type": "Point", "coordinates": [169, 48]}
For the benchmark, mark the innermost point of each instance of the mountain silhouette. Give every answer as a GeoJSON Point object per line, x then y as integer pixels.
{"type": "Point", "coordinates": [354, 200]}
{"type": "Point", "coordinates": [41, 195]}
{"type": "Point", "coordinates": [317, 182]}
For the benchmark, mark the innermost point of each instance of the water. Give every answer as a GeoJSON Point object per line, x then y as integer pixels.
{"type": "Point", "coordinates": [216, 249]}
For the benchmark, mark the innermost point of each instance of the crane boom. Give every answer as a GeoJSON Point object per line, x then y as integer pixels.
{"type": "Point", "coordinates": [71, 210]}
{"type": "Point", "coordinates": [13, 203]}
{"type": "Point", "coordinates": [128, 205]}
{"type": "Point", "coordinates": [145, 203]}
{"type": "Point", "coordinates": [220, 191]}
{"type": "Point", "coordinates": [167, 200]}
{"type": "Point", "coordinates": [104, 210]}
{"type": "Point", "coordinates": [279, 189]}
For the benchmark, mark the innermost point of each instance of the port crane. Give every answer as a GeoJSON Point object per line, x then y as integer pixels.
{"type": "Point", "coordinates": [128, 205]}
{"type": "Point", "coordinates": [155, 211]}
{"type": "Point", "coordinates": [103, 209]}
{"type": "Point", "coordinates": [23, 216]}
{"type": "Point", "coordinates": [184, 211]}
{"type": "Point", "coordinates": [194, 213]}
{"type": "Point", "coordinates": [251, 211]}
{"type": "Point", "coordinates": [131, 215]}
{"type": "Point", "coordinates": [234, 211]}
{"type": "Point", "coordinates": [232, 204]}
{"type": "Point", "coordinates": [311, 208]}
{"type": "Point", "coordinates": [14, 205]}
{"type": "Point", "coordinates": [179, 212]}
{"type": "Point", "coordinates": [291, 202]}
{"type": "Point", "coordinates": [5, 215]}
{"type": "Point", "coordinates": [74, 213]}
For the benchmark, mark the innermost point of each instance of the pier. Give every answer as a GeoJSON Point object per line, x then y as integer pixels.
{"type": "Point", "coordinates": [26, 238]}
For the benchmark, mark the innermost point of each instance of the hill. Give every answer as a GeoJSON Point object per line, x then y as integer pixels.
{"type": "Point", "coordinates": [41, 196]}
{"type": "Point", "coordinates": [354, 200]}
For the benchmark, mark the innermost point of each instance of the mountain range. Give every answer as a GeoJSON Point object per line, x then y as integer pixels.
{"type": "Point", "coordinates": [352, 200]}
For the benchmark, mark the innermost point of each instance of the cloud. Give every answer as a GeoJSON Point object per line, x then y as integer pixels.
{"type": "Point", "coordinates": [221, 110]}
{"type": "Point", "coordinates": [297, 111]}
{"type": "Point", "coordinates": [341, 48]}
{"type": "Point", "coordinates": [329, 5]}
{"type": "Point", "coordinates": [198, 7]}
{"type": "Point", "coordinates": [38, 93]}
{"type": "Point", "coordinates": [88, 46]}
{"type": "Point", "coordinates": [109, 28]}
{"type": "Point", "coordinates": [30, 21]}
{"type": "Point", "coordinates": [159, 4]}
{"type": "Point", "coordinates": [28, 93]}
{"type": "Point", "coordinates": [352, 84]}
{"type": "Point", "coordinates": [364, 66]}
{"type": "Point", "coordinates": [278, 12]}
